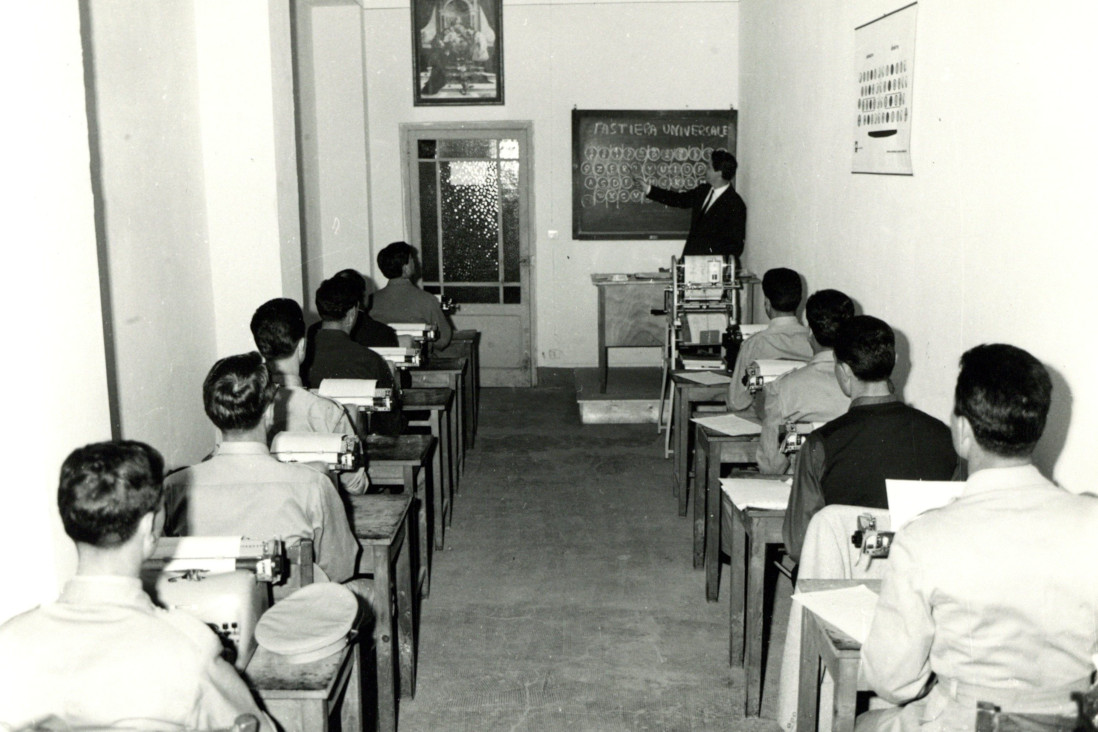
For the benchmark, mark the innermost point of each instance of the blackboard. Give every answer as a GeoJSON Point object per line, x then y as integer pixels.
{"type": "Point", "coordinates": [671, 149]}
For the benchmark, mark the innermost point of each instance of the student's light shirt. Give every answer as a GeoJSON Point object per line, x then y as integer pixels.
{"type": "Point", "coordinates": [998, 589]}
{"type": "Point", "coordinates": [244, 491]}
{"type": "Point", "coordinates": [810, 393]}
{"type": "Point", "coordinates": [296, 409]}
{"type": "Point", "coordinates": [104, 655]}
{"type": "Point", "coordinates": [400, 301]}
{"type": "Point", "coordinates": [784, 337]}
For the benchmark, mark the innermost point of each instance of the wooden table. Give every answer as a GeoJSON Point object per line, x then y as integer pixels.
{"type": "Point", "coordinates": [466, 344]}
{"type": "Point", "coordinates": [399, 461]}
{"type": "Point", "coordinates": [380, 521]}
{"type": "Point", "coordinates": [625, 315]}
{"type": "Point", "coordinates": [840, 654]}
{"type": "Point", "coordinates": [303, 697]}
{"type": "Point", "coordinates": [449, 372]}
{"type": "Point", "coordinates": [687, 394]}
{"type": "Point", "coordinates": [438, 402]}
{"type": "Point", "coordinates": [753, 532]}
{"type": "Point", "coordinates": [711, 450]}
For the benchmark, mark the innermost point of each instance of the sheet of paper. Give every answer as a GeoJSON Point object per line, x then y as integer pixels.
{"type": "Point", "coordinates": [750, 329]}
{"type": "Point", "coordinates": [412, 328]}
{"type": "Point", "coordinates": [772, 368]}
{"type": "Point", "coordinates": [908, 498]}
{"type": "Point", "coordinates": [771, 495]}
{"type": "Point", "coordinates": [708, 377]}
{"type": "Point", "coordinates": [212, 553]}
{"type": "Point", "coordinates": [729, 424]}
{"type": "Point", "coordinates": [849, 609]}
{"type": "Point", "coordinates": [349, 391]}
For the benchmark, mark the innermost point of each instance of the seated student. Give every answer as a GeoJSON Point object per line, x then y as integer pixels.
{"type": "Point", "coordinates": [400, 301]}
{"type": "Point", "coordinates": [847, 460]}
{"type": "Point", "coordinates": [336, 356]}
{"type": "Point", "coordinates": [278, 327]}
{"type": "Point", "coordinates": [103, 654]}
{"type": "Point", "coordinates": [784, 337]}
{"type": "Point", "coordinates": [811, 393]}
{"type": "Point", "coordinates": [244, 491]}
{"type": "Point", "coordinates": [993, 597]}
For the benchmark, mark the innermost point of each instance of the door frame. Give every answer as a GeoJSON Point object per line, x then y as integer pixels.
{"type": "Point", "coordinates": [526, 203]}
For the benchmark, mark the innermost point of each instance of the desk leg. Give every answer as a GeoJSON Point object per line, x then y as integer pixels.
{"type": "Point", "coordinates": [350, 715]}
{"type": "Point", "coordinates": [713, 493]}
{"type": "Point", "coordinates": [682, 442]}
{"type": "Point", "coordinates": [846, 696]}
{"type": "Point", "coordinates": [405, 601]}
{"type": "Point", "coordinates": [383, 638]}
{"type": "Point", "coordinates": [736, 582]}
{"type": "Point", "coordinates": [459, 407]}
{"type": "Point", "coordinates": [701, 465]}
{"type": "Point", "coordinates": [808, 691]}
{"type": "Point", "coordinates": [447, 461]}
{"type": "Point", "coordinates": [602, 340]}
{"type": "Point", "coordinates": [411, 486]}
{"type": "Point", "coordinates": [440, 484]}
{"type": "Point", "coordinates": [467, 414]}
{"type": "Point", "coordinates": [754, 622]}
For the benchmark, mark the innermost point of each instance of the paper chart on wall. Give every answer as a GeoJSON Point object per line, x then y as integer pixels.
{"type": "Point", "coordinates": [884, 70]}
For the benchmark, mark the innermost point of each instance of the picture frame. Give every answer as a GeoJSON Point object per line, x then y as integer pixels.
{"type": "Point", "coordinates": [457, 52]}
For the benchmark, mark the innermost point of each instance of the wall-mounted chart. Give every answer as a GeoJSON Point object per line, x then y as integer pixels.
{"type": "Point", "coordinates": [884, 70]}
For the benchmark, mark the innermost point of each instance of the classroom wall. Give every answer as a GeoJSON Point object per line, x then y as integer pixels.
{"type": "Point", "coordinates": [989, 240]}
{"type": "Point", "coordinates": [556, 55]}
{"type": "Point", "coordinates": [55, 364]}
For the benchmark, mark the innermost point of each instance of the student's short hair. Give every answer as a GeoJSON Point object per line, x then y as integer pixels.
{"type": "Point", "coordinates": [725, 162]}
{"type": "Point", "coordinates": [825, 311]}
{"type": "Point", "coordinates": [782, 288]}
{"type": "Point", "coordinates": [335, 297]}
{"type": "Point", "coordinates": [868, 346]}
{"type": "Point", "coordinates": [278, 326]}
{"type": "Point", "coordinates": [1004, 393]}
{"type": "Point", "coordinates": [355, 278]}
{"type": "Point", "coordinates": [237, 391]}
{"type": "Point", "coordinates": [391, 259]}
{"type": "Point", "coordinates": [106, 488]}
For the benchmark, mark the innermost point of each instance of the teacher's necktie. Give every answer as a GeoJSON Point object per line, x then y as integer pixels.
{"type": "Point", "coordinates": [708, 200]}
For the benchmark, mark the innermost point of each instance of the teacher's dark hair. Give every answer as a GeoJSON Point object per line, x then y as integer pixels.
{"type": "Point", "coordinates": [725, 162]}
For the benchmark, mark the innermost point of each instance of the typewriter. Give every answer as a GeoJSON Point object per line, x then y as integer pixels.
{"type": "Point", "coordinates": [762, 372]}
{"type": "Point", "coordinates": [337, 452]}
{"type": "Point", "coordinates": [361, 393]}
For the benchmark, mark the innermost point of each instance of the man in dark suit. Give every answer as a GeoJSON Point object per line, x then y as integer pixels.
{"type": "Point", "coordinates": [718, 217]}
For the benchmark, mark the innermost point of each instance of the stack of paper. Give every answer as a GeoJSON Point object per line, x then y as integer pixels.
{"type": "Point", "coordinates": [908, 498]}
{"type": "Point", "coordinates": [772, 368]}
{"type": "Point", "coordinates": [770, 495]}
{"type": "Point", "coordinates": [729, 424]}
{"type": "Point", "coordinates": [849, 609]}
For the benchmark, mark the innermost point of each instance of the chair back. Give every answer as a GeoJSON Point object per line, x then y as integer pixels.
{"type": "Point", "coordinates": [829, 553]}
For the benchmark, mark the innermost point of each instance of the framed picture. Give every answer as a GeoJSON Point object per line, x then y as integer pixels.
{"type": "Point", "coordinates": [457, 50]}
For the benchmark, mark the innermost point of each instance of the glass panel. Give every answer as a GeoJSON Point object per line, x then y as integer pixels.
{"type": "Point", "coordinates": [512, 295]}
{"type": "Point", "coordinates": [509, 149]}
{"type": "Point", "coordinates": [469, 148]}
{"type": "Point", "coordinates": [471, 294]}
{"type": "Point", "coordinates": [509, 198]}
{"type": "Point", "coordinates": [470, 221]}
{"type": "Point", "coordinates": [428, 221]}
{"type": "Point", "coordinates": [427, 149]}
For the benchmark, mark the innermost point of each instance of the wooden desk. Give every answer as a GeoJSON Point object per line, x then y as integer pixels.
{"type": "Point", "coordinates": [753, 531]}
{"type": "Point", "coordinates": [449, 372]}
{"type": "Point", "coordinates": [711, 450]}
{"type": "Point", "coordinates": [840, 654]}
{"type": "Point", "coordinates": [380, 522]}
{"type": "Point", "coordinates": [399, 461]}
{"type": "Point", "coordinates": [438, 402]}
{"type": "Point", "coordinates": [687, 394]}
{"type": "Point", "coordinates": [303, 697]}
{"type": "Point", "coordinates": [625, 316]}
{"type": "Point", "coordinates": [466, 344]}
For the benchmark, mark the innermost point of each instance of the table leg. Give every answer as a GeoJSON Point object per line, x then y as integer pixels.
{"type": "Point", "coordinates": [713, 493]}
{"type": "Point", "coordinates": [405, 607]}
{"type": "Point", "coordinates": [754, 622]}
{"type": "Point", "coordinates": [467, 415]}
{"type": "Point", "coordinates": [411, 486]}
{"type": "Point", "coordinates": [350, 715]}
{"type": "Point", "coordinates": [701, 464]}
{"type": "Point", "coordinates": [459, 407]}
{"type": "Point", "coordinates": [383, 640]}
{"type": "Point", "coordinates": [447, 466]}
{"type": "Point", "coordinates": [440, 483]}
{"type": "Point", "coordinates": [736, 582]}
{"type": "Point", "coordinates": [808, 687]}
{"type": "Point", "coordinates": [682, 433]}
{"type": "Point", "coordinates": [846, 696]}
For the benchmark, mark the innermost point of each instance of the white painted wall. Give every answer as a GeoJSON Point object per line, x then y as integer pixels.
{"type": "Point", "coordinates": [55, 366]}
{"type": "Point", "coordinates": [556, 56]}
{"type": "Point", "coordinates": [990, 240]}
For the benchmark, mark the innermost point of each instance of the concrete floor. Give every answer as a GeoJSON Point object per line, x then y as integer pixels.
{"type": "Point", "coordinates": [565, 598]}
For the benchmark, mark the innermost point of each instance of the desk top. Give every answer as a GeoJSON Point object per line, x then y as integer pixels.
{"type": "Point", "coordinates": [404, 449]}
{"type": "Point", "coordinates": [273, 678]}
{"type": "Point", "coordinates": [641, 278]}
{"type": "Point", "coordinates": [377, 517]}
{"type": "Point", "coordinates": [837, 639]}
{"type": "Point", "coordinates": [427, 397]}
